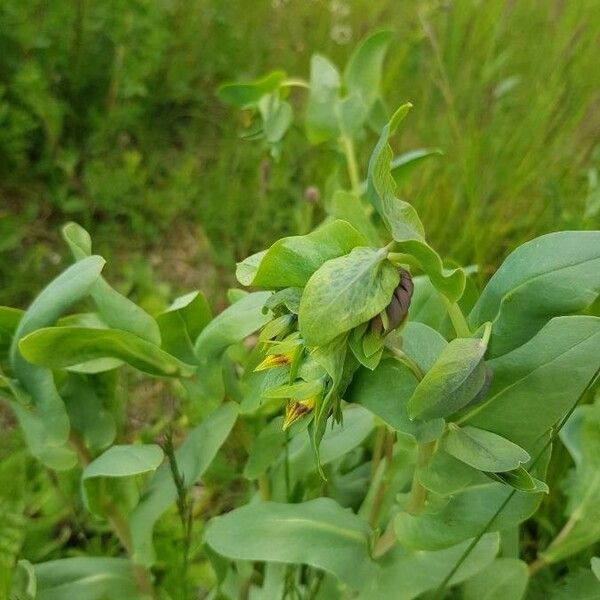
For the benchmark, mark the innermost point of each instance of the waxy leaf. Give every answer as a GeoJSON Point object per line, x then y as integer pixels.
{"type": "Point", "coordinates": [233, 325]}
{"type": "Point", "coordinates": [92, 578]}
{"type": "Point", "coordinates": [422, 344]}
{"type": "Point", "coordinates": [482, 449]}
{"type": "Point", "coordinates": [403, 165]}
{"type": "Point", "coordinates": [291, 261]}
{"type": "Point", "coordinates": [322, 108]}
{"type": "Point", "coordinates": [350, 207]}
{"type": "Point", "coordinates": [385, 392]}
{"type": "Point", "coordinates": [247, 95]}
{"type": "Point", "coordinates": [117, 311]}
{"type": "Point", "coordinates": [536, 384]}
{"type": "Point", "coordinates": [266, 447]}
{"type": "Point", "coordinates": [344, 293]}
{"type": "Point", "coordinates": [89, 399]}
{"type": "Point", "coordinates": [520, 479]}
{"type": "Point", "coordinates": [181, 324]}
{"type": "Point", "coordinates": [504, 579]}
{"type": "Point", "coordinates": [464, 516]}
{"type": "Point", "coordinates": [49, 416]}
{"type": "Point", "coordinates": [407, 575]}
{"type": "Point", "coordinates": [467, 512]}
{"type": "Point", "coordinates": [552, 275]}
{"type": "Point", "coordinates": [319, 533]}
{"type": "Point", "coordinates": [362, 75]}
{"type": "Point", "coordinates": [402, 220]}
{"type": "Point", "coordinates": [193, 457]}
{"type": "Point", "coordinates": [117, 462]}
{"type": "Point", "coordinates": [452, 382]}
{"type": "Point", "coordinates": [61, 347]}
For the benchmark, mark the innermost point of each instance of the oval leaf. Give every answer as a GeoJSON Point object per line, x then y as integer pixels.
{"type": "Point", "coordinates": [61, 347]}
{"type": "Point", "coordinates": [291, 261]}
{"type": "Point", "coordinates": [552, 275]}
{"type": "Point", "coordinates": [344, 293]}
{"type": "Point", "coordinates": [319, 533]}
{"type": "Point", "coordinates": [482, 449]}
{"type": "Point", "coordinates": [452, 382]}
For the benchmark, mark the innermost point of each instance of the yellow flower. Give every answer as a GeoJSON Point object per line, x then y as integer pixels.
{"type": "Point", "coordinates": [275, 360]}
{"type": "Point", "coordinates": [294, 410]}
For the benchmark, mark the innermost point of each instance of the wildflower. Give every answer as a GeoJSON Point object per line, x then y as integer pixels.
{"type": "Point", "coordinates": [276, 360]}
{"type": "Point", "coordinates": [295, 410]}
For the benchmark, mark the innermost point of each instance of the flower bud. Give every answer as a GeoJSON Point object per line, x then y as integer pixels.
{"type": "Point", "coordinates": [397, 309]}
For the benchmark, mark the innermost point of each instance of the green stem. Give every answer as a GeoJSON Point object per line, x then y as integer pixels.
{"type": "Point", "coordinates": [458, 319]}
{"type": "Point", "coordinates": [409, 362]}
{"type": "Point", "coordinates": [351, 163]}
{"type": "Point", "coordinates": [388, 446]}
{"type": "Point", "coordinates": [418, 494]}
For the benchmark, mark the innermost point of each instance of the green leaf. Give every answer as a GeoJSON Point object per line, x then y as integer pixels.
{"type": "Point", "coordinates": [452, 382]}
{"type": "Point", "coordinates": [319, 533]}
{"type": "Point", "coordinates": [266, 447]}
{"type": "Point", "coordinates": [596, 567]}
{"type": "Point", "coordinates": [60, 347]}
{"type": "Point", "coordinates": [277, 116]}
{"type": "Point", "coordinates": [344, 293]}
{"type": "Point", "coordinates": [291, 261]}
{"type": "Point", "coordinates": [463, 517]}
{"type": "Point", "coordinates": [46, 449]}
{"type": "Point", "coordinates": [426, 304]}
{"type": "Point", "coordinates": [117, 311]}
{"type": "Point", "coordinates": [552, 275]}
{"type": "Point", "coordinates": [337, 441]}
{"type": "Point", "coordinates": [504, 579]}
{"type": "Point", "coordinates": [233, 325]}
{"type": "Point", "coordinates": [88, 399]}
{"type": "Point", "coordinates": [385, 392]}
{"type": "Point", "coordinates": [49, 418]}
{"type": "Point", "coordinates": [482, 449]}
{"type": "Point", "coordinates": [530, 391]}
{"type": "Point", "coordinates": [247, 95]}
{"type": "Point", "coordinates": [321, 111]}
{"type": "Point", "coordinates": [520, 479]}
{"type": "Point", "coordinates": [403, 165]}
{"type": "Point", "coordinates": [467, 512]}
{"type": "Point", "coordinates": [402, 220]}
{"type": "Point", "coordinates": [362, 75]}
{"type": "Point", "coordinates": [92, 578]}
{"type": "Point", "coordinates": [117, 462]}
{"type": "Point", "coordinates": [406, 575]}
{"type": "Point", "coordinates": [577, 585]}
{"type": "Point", "coordinates": [349, 207]}
{"type": "Point", "coordinates": [444, 475]}
{"type": "Point", "coordinates": [182, 323]}
{"type": "Point", "coordinates": [193, 458]}
{"type": "Point", "coordinates": [422, 344]}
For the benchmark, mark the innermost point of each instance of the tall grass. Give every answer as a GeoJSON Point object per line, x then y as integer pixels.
{"type": "Point", "coordinates": [108, 116]}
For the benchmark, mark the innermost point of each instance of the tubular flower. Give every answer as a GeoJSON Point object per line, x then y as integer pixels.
{"type": "Point", "coordinates": [275, 360]}
{"type": "Point", "coordinates": [295, 410]}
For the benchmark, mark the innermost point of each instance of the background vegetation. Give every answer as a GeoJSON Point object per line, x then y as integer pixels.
{"type": "Point", "coordinates": [108, 117]}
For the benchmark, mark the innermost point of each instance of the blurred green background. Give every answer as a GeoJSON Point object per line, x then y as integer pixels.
{"type": "Point", "coordinates": [108, 116]}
